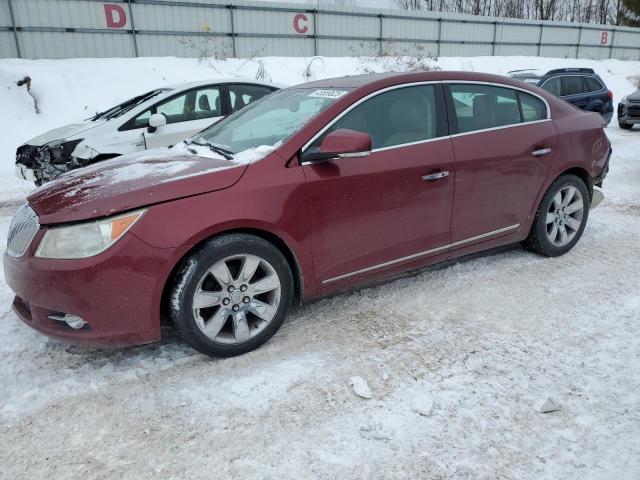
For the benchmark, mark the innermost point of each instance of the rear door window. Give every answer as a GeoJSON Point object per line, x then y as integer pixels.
{"type": "Point", "coordinates": [207, 104]}
{"type": "Point", "coordinates": [478, 107]}
{"type": "Point", "coordinates": [572, 85]}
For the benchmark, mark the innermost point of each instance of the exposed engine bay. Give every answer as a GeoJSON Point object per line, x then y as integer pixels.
{"type": "Point", "coordinates": [42, 164]}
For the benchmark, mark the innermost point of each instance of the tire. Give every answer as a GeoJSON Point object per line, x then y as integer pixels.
{"type": "Point", "coordinates": [231, 295]}
{"type": "Point", "coordinates": [546, 238]}
{"type": "Point", "coordinates": [625, 126]}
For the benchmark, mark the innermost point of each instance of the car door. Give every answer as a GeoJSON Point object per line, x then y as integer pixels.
{"type": "Point", "coordinates": [504, 144]}
{"type": "Point", "coordinates": [389, 208]}
{"type": "Point", "coordinates": [187, 113]}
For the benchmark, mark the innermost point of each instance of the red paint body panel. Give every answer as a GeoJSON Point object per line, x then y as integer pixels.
{"type": "Point", "coordinates": [373, 213]}
{"type": "Point", "coordinates": [117, 292]}
{"type": "Point", "coordinates": [370, 210]}
{"type": "Point", "coordinates": [497, 178]}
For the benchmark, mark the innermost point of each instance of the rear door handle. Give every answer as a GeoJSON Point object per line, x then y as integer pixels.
{"type": "Point", "coordinates": [539, 152]}
{"type": "Point", "coordinates": [433, 177]}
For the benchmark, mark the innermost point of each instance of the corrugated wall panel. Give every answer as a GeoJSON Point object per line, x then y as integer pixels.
{"type": "Point", "coordinates": [182, 19]}
{"type": "Point", "coordinates": [288, 31]}
{"type": "Point", "coordinates": [7, 45]}
{"type": "Point", "coordinates": [400, 48]}
{"type": "Point", "coordinates": [558, 52]}
{"type": "Point", "coordinates": [183, 46]}
{"type": "Point", "coordinates": [247, 21]}
{"type": "Point", "coordinates": [594, 53]}
{"type": "Point", "coordinates": [594, 37]}
{"type": "Point", "coordinates": [464, 50]}
{"type": "Point", "coordinates": [627, 39]}
{"type": "Point", "coordinates": [286, 47]}
{"type": "Point", "coordinates": [65, 14]}
{"type": "Point", "coordinates": [399, 29]}
{"type": "Point", "coordinates": [517, 50]}
{"type": "Point", "coordinates": [5, 17]}
{"type": "Point", "coordinates": [348, 26]}
{"type": "Point", "coordinates": [348, 48]}
{"type": "Point", "coordinates": [74, 45]}
{"type": "Point", "coordinates": [518, 33]}
{"type": "Point", "coordinates": [467, 32]}
{"type": "Point", "coordinates": [561, 35]}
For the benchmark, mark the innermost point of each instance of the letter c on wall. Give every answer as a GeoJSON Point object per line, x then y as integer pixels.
{"type": "Point", "coordinates": [300, 23]}
{"type": "Point", "coordinates": [115, 15]}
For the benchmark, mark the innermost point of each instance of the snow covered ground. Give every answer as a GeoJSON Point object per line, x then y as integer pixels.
{"type": "Point", "coordinates": [456, 358]}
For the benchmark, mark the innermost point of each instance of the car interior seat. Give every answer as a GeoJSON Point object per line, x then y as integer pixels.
{"type": "Point", "coordinates": [411, 120]}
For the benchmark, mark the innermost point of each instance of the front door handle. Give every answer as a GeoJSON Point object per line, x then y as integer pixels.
{"type": "Point", "coordinates": [433, 177]}
{"type": "Point", "coordinates": [539, 152]}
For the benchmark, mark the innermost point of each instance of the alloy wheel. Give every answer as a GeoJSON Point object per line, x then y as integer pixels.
{"type": "Point", "coordinates": [236, 298]}
{"type": "Point", "coordinates": [564, 216]}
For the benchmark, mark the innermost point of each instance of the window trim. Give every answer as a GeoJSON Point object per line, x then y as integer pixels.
{"type": "Point", "coordinates": [364, 99]}
{"type": "Point", "coordinates": [447, 99]}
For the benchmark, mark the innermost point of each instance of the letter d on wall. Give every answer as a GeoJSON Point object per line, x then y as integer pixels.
{"type": "Point", "coordinates": [115, 15]}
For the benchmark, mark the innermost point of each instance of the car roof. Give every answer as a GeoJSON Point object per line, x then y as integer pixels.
{"type": "Point", "coordinates": [381, 80]}
{"type": "Point", "coordinates": [189, 85]}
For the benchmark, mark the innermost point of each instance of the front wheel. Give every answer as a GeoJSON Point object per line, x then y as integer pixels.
{"type": "Point", "coordinates": [231, 295]}
{"type": "Point", "coordinates": [561, 217]}
{"type": "Point", "coordinates": [625, 126]}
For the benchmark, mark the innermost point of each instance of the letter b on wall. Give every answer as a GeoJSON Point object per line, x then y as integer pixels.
{"type": "Point", "coordinates": [115, 15]}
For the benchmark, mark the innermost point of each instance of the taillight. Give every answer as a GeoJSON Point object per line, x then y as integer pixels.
{"type": "Point", "coordinates": [610, 94]}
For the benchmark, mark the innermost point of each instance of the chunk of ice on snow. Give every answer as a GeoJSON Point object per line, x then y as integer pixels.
{"type": "Point", "coordinates": [547, 405]}
{"type": "Point", "coordinates": [423, 406]}
{"type": "Point", "coordinates": [360, 387]}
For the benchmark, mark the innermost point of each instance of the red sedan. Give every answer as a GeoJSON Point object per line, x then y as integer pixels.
{"type": "Point", "coordinates": [311, 190]}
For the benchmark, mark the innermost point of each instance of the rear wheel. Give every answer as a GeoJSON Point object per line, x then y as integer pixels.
{"type": "Point", "coordinates": [561, 217]}
{"type": "Point", "coordinates": [231, 295]}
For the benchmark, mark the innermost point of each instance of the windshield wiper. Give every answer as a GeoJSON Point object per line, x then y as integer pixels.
{"type": "Point", "coordinates": [228, 154]}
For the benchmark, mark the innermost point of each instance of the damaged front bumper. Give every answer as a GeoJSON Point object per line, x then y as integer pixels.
{"type": "Point", "coordinates": [41, 164]}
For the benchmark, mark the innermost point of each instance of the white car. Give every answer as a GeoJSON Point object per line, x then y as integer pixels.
{"type": "Point", "coordinates": [159, 118]}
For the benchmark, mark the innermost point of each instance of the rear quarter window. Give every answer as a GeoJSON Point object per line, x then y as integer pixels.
{"type": "Point", "coordinates": [532, 108]}
{"type": "Point", "coordinates": [593, 84]}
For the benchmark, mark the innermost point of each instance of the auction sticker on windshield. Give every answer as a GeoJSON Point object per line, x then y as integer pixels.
{"type": "Point", "coordinates": [328, 93]}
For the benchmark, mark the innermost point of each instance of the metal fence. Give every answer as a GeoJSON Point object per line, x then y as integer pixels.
{"type": "Point", "coordinates": [191, 28]}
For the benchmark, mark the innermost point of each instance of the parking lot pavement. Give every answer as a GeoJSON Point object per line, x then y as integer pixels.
{"type": "Point", "coordinates": [456, 360]}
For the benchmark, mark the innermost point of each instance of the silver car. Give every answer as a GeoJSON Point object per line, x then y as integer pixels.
{"type": "Point", "coordinates": [629, 110]}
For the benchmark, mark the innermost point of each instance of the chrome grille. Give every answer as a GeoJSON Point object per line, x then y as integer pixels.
{"type": "Point", "coordinates": [24, 227]}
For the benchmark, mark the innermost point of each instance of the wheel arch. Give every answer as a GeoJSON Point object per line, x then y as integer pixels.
{"type": "Point", "coordinates": [275, 240]}
{"type": "Point", "coordinates": [581, 173]}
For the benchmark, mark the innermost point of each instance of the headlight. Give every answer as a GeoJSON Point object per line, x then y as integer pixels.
{"type": "Point", "coordinates": [86, 239]}
{"type": "Point", "coordinates": [61, 151]}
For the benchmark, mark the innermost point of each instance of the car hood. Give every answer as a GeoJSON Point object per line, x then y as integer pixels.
{"type": "Point", "coordinates": [129, 182]}
{"type": "Point", "coordinates": [62, 133]}
{"type": "Point", "coordinates": [635, 96]}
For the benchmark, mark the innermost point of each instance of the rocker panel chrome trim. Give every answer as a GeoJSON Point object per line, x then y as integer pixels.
{"type": "Point", "coordinates": [422, 254]}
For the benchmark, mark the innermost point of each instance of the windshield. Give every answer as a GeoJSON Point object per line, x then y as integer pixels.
{"type": "Point", "coordinates": [128, 105]}
{"type": "Point", "coordinates": [268, 121]}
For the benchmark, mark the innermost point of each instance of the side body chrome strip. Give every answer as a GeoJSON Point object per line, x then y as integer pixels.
{"type": "Point", "coordinates": [423, 254]}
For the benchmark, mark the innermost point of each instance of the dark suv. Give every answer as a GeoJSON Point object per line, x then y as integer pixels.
{"type": "Point", "coordinates": [580, 86]}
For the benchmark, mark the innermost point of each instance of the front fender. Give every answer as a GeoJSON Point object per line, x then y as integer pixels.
{"type": "Point", "coordinates": [266, 199]}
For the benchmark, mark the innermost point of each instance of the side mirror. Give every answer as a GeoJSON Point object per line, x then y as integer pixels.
{"type": "Point", "coordinates": [156, 120]}
{"type": "Point", "coordinates": [342, 143]}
